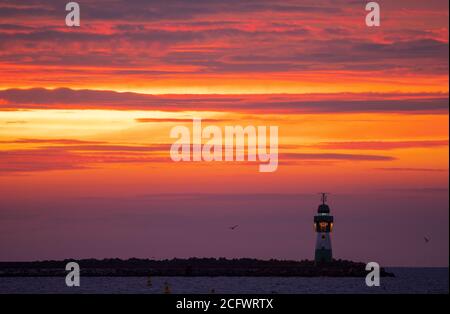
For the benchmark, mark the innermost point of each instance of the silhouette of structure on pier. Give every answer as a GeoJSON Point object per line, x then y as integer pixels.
{"type": "Point", "coordinates": [323, 225]}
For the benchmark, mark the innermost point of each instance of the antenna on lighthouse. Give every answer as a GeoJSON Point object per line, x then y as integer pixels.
{"type": "Point", "coordinates": [323, 197]}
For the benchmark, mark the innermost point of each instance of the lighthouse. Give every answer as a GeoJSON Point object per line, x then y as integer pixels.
{"type": "Point", "coordinates": [323, 225]}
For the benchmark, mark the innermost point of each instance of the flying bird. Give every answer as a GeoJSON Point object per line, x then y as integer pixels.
{"type": "Point", "coordinates": [233, 227]}
{"type": "Point", "coordinates": [426, 239]}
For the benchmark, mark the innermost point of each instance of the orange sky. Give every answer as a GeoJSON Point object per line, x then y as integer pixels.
{"type": "Point", "coordinates": [86, 112]}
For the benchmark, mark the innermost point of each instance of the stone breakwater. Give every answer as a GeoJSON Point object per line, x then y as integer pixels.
{"type": "Point", "coordinates": [207, 267]}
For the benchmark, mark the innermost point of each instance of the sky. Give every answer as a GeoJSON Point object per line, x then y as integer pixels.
{"type": "Point", "coordinates": [86, 113]}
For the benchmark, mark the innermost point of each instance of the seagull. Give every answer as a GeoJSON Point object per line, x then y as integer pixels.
{"type": "Point", "coordinates": [233, 227]}
{"type": "Point", "coordinates": [426, 239]}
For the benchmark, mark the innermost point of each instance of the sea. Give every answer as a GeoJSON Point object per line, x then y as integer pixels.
{"type": "Point", "coordinates": [406, 280]}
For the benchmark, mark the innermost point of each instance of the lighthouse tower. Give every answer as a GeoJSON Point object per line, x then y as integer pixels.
{"type": "Point", "coordinates": [323, 225]}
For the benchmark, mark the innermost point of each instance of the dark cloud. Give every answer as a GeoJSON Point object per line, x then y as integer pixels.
{"type": "Point", "coordinates": [431, 190]}
{"type": "Point", "coordinates": [64, 98]}
{"type": "Point", "coordinates": [307, 54]}
{"type": "Point", "coordinates": [334, 156]}
{"type": "Point", "coordinates": [67, 154]}
{"type": "Point", "coordinates": [176, 120]}
{"type": "Point", "coordinates": [49, 141]}
{"type": "Point", "coordinates": [71, 157]}
{"type": "Point", "coordinates": [155, 10]}
{"type": "Point", "coordinates": [395, 169]}
{"type": "Point", "coordinates": [381, 145]}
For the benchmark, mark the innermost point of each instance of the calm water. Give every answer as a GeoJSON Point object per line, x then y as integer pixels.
{"type": "Point", "coordinates": [407, 280]}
